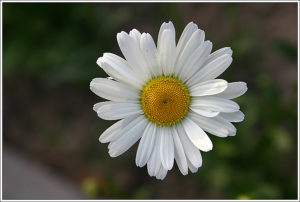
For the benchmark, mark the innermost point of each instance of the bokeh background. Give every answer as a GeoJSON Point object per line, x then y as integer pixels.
{"type": "Point", "coordinates": [49, 58]}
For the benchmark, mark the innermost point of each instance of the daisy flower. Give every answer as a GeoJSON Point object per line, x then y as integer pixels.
{"type": "Point", "coordinates": [168, 97]}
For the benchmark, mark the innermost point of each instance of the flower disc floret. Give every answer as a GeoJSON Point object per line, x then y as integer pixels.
{"type": "Point", "coordinates": [165, 100]}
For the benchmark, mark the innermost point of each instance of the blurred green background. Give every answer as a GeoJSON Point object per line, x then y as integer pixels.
{"type": "Point", "coordinates": [49, 58]}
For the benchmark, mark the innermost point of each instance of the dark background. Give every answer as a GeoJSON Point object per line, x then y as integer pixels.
{"type": "Point", "coordinates": [49, 58]}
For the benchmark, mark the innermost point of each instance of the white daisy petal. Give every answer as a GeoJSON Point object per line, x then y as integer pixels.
{"type": "Point", "coordinates": [131, 51]}
{"type": "Point", "coordinates": [204, 112]}
{"type": "Point", "coordinates": [166, 51]}
{"type": "Point", "coordinates": [185, 37]}
{"type": "Point", "coordinates": [214, 104]}
{"type": "Point", "coordinates": [229, 126]}
{"type": "Point", "coordinates": [197, 136]}
{"type": "Point", "coordinates": [136, 35]}
{"type": "Point", "coordinates": [233, 117]}
{"type": "Point", "coordinates": [164, 27]}
{"type": "Point", "coordinates": [215, 126]}
{"type": "Point", "coordinates": [193, 168]}
{"type": "Point", "coordinates": [234, 89]}
{"type": "Point", "coordinates": [128, 138]}
{"type": "Point", "coordinates": [118, 68]}
{"type": "Point", "coordinates": [211, 70]}
{"type": "Point", "coordinates": [115, 131]}
{"type": "Point", "coordinates": [149, 50]}
{"type": "Point", "coordinates": [219, 53]}
{"type": "Point", "coordinates": [154, 163]}
{"type": "Point", "coordinates": [96, 106]}
{"type": "Point", "coordinates": [166, 148]}
{"type": "Point", "coordinates": [193, 43]}
{"type": "Point", "coordinates": [146, 145]}
{"type": "Point", "coordinates": [179, 154]}
{"type": "Point", "coordinates": [118, 110]}
{"type": "Point", "coordinates": [162, 173]}
{"type": "Point", "coordinates": [195, 61]}
{"type": "Point", "coordinates": [191, 151]}
{"type": "Point", "coordinates": [112, 90]}
{"type": "Point", "coordinates": [209, 87]}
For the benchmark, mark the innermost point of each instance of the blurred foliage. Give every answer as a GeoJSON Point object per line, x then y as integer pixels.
{"type": "Point", "coordinates": [50, 52]}
{"type": "Point", "coordinates": [91, 187]}
{"type": "Point", "coordinates": [286, 49]}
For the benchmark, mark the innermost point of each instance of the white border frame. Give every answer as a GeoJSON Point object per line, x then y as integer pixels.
{"type": "Point", "coordinates": [135, 1]}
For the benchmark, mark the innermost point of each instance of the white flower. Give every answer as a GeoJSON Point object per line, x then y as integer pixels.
{"type": "Point", "coordinates": [167, 96]}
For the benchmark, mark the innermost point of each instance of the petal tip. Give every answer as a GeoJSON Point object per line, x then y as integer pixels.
{"type": "Point", "coordinates": [99, 61]}
{"type": "Point", "coordinates": [101, 139]}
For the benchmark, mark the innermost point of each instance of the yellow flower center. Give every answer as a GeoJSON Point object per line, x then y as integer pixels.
{"type": "Point", "coordinates": [165, 100]}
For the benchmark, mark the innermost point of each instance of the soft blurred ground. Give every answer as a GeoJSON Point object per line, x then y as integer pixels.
{"type": "Point", "coordinates": [49, 58]}
{"type": "Point", "coordinates": [26, 179]}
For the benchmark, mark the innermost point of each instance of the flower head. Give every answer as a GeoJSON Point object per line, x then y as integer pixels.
{"type": "Point", "coordinates": [167, 96]}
